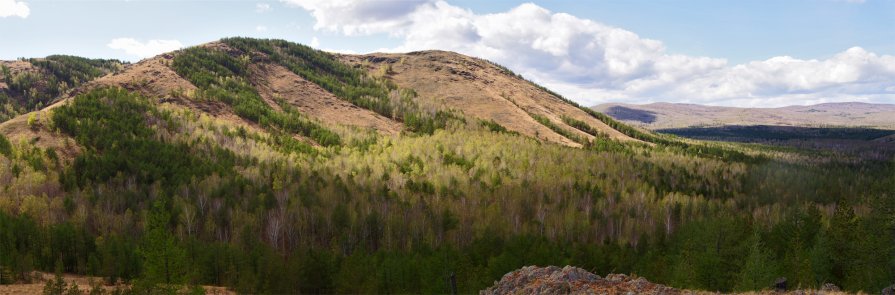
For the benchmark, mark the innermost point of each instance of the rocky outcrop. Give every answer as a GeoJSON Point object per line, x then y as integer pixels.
{"type": "Point", "coordinates": [572, 280]}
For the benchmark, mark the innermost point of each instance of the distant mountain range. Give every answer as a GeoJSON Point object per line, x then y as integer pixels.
{"type": "Point", "coordinates": [677, 115]}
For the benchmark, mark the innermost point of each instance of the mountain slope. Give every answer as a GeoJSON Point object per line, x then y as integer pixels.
{"type": "Point", "coordinates": [483, 90]}
{"type": "Point", "coordinates": [274, 81]}
{"type": "Point", "coordinates": [670, 115]}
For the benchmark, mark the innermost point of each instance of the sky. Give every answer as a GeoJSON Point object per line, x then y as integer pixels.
{"type": "Point", "coordinates": [756, 53]}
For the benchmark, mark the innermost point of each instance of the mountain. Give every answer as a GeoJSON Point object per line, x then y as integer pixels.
{"type": "Point", "coordinates": [267, 166]}
{"type": "Point", "coordinates": [472, 87]}
{"type": "Point", "coordinates": [673, 115]}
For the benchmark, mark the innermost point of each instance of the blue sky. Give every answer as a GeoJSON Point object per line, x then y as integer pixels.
{"type": "Point", "coordinates": [712, 52]}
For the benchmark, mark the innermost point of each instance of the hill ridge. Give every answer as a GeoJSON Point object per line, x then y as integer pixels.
{"type": "Point", "coordinates": [518, 105]}
{"type": "Point", "coordinates": [664, 115]}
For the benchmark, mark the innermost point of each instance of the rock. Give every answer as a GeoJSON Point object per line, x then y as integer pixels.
{"type": "Point", "coordinates": [828, 287]}
{"type": "Point", "coordinates": [640, 284]}
{"type": "Point", "coordinates": [571, 280]}
{"type": "Point", "coordinates": [617, 277]}
{"type": "Point", "coordinates": [780, 284]}
{"type": "Point", "coordinates": [890, 290]}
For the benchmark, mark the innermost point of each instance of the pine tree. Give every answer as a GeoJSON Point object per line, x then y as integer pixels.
{"type": "Point", "coordinates": [821, 259]}
{"type": "Point", "coordinates": [843, 226]}
{"type": "Point", "coordinates": [759, 270]}
{"type": "Point", "coordinates": [163, 259]}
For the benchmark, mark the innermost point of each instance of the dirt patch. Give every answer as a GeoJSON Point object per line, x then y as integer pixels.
{"type": "Point", "coordinates": [84, 284]}
{"type": "Point", "coordinates": [274, 81]}
{"type": "Point", "coordinates": [481, 90]}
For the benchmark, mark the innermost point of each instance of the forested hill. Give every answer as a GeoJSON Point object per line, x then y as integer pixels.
{"type": "Point", "coordinates": [269, 167]}
{"type": "Point", "coordinates": [31, 84]}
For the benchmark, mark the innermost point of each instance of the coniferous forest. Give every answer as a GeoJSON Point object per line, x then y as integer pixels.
{"type": "Point", "coordinates": [160, 196]}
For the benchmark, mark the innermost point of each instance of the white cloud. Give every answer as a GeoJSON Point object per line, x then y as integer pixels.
{"type": "Point", "coordinates": [315, 42]}
{"type": "Point", "coordinates": [356, 17]}
{"type": "Point", "coordinates": [592, 62]}
{"type": "Point", "coordinates": [143, 50]}
{"type": "Point", "coordinates": [262, 7]}
{"type": "Point", "coordinates": [261, 28]}
{"type": "Point", "coordinates": [14, 8]}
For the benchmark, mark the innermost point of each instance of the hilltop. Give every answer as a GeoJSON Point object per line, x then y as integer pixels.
{"type": "Point", "coordinates": [437, 81]}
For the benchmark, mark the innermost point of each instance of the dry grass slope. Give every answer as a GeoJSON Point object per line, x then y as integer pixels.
{"type": "Point", "coordinates": [274, 81]}
{"type": "Point", "coordinates": [480, 90]}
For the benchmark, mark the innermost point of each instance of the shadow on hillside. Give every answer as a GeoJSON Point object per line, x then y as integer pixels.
{"type": "Point", "coordinates": [766, 132]}
{"type": "Point", "coordinates": [629, 114]}
{"type": "Point", "coordinates": [860, 143]}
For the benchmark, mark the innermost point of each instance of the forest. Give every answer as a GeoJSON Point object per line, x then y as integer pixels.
{"type": "Point", "coordinates": [162, 196]}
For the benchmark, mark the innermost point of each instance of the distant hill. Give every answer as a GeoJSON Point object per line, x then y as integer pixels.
{"type": "Point", "coordinates": [30, 84]}
{"type": "Point", "coordinates": [674, 115]}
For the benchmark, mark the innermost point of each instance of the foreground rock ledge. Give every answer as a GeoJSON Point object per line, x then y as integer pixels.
{"type": "Point", "coordinates": [572, 280]}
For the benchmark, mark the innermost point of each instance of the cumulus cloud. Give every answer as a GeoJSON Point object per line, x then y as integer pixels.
{"type": "Point", "coordinates": [14, 8]}
{"type": "Point", "coordinates": [261, 28]}
{"type": "Point", "coordinates": [262, 7]}
{"type": "Point", "coordinates": [143, 50]}
{"type": "Point", "coordinates": [592, 62]}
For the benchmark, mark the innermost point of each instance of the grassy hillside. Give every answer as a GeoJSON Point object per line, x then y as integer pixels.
{"type": "Point", "coordinates": [221, 182]}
